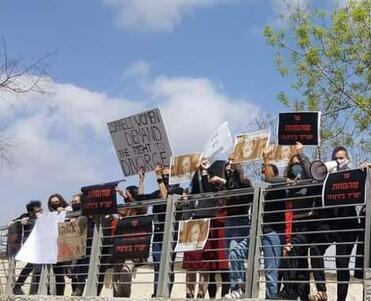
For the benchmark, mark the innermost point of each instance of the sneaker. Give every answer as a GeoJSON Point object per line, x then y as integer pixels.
{"type": "Point", "coordinates": [17, 290]}
{"type": "Point", "coordinates": [237, 294]}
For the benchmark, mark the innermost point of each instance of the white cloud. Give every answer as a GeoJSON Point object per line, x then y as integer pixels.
{"type": "Point", "coordinates": [138, 69]}
{"type": "Point", "coordinates": [155, 15]}
{"type": "Point", "coordinates": [193, 108]}
{"type": "Point", "coordinates": [62, 142]}
{"type": "Point", "coordinates": [283, 9]}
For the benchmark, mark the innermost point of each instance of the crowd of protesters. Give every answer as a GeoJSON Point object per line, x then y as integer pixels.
{"type": "Point", "coordinates": [296, 231]}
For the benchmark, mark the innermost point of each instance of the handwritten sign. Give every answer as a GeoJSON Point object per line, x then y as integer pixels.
{"type": "Point", "coordinates": [140, 140]}
{"type": "Point", "coordinates": [135, 238]}
{"type": "Point", "coordinates": [303, 127]}
{"type": "Point", "coordinates": [72, 237]}
{"type": "Point", "coordinates": [344, 188]}
{"type": "Point", "coordinates": [99, 199]}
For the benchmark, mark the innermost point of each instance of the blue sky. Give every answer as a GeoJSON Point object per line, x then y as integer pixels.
{"type": "Point", "coordinates": [202, 61]}
{"type": "Point", "coordinates": [222, 42]}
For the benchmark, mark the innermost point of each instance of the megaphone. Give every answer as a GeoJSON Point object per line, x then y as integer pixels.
{"type": "Point", "coordinates": [319, 169]}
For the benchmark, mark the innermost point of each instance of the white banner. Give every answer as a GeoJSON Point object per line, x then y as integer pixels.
{"type": "Point", "coordinates": [220, 143]}
{"type": "Point", "coordinates": [41, 247]}
{"type": "Point", "coordinates": [140, 141]}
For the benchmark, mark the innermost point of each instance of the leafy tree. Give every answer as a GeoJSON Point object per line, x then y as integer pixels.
{"type": "Point", "coordinates": [327, 57]}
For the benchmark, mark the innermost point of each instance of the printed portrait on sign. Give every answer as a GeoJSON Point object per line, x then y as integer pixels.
{"type": "Point", "coordinates": [192, 234]}
{"type": "Point", "coordinates": [249, 147]}
{"type": "Point", "coordinates": [183, 167]}
{"type": "Point", "coordinates": [281, 154]}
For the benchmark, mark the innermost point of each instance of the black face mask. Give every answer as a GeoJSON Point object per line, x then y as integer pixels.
{"type": "Point", "coordinates": [55, 206]}
{"type": "Point", "coordinates": [76, 206]}
{"type": "Point", "coordinates": [165, 178]}
{"type": "Point", "coordinates": [231, 177]}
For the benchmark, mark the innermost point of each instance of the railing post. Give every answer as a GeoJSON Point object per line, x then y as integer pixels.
{"type": "Point", "coordinates": [43, 282]}
{"type": "Point", "coordinates": [367, 245]}
{"type": "Point", "coordinates": [252, 275]}
{"type": "Point", "coordinates": [94, 261]}
{"type": "Point", "coordinates": [10, 276]}
{"type": "Point", "coordinates": [164, 272]}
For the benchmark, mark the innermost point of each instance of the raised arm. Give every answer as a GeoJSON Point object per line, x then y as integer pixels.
{"type": "Point", "coordinates": [160, 181]}
{"type": "Point", "coordinates": [141, 174]}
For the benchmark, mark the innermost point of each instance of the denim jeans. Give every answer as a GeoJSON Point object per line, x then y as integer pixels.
{"type": "Point", "coordinates": [272, 251]}
{"type": "Point", "coordinates": [237, 257]}
{"type": "Point", "coordinates": [237, 229]}
{"type": "Point", "coordinates": [156, 255]}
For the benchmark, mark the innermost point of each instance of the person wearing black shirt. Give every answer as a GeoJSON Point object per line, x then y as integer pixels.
{"type": "Point", "coordinates": [28, 220]}
{"type": "Point", "coordinates": [56, 203]}
{"type": "Point", "coordinates": [273, 228]}
{"type": "Point", "coordinates": [341, 231]}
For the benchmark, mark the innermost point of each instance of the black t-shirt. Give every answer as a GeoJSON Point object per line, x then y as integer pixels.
{"type": "Point", "coordinates": [159, 213]}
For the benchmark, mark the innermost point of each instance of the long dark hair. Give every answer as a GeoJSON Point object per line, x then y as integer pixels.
{"type": "Point", "coordinates": [288, 171]}
{"type": "Point", "coordinates": [63, 202]}
{"type": "Point", "coordinates": [133, 190]}
{"type": "Point", "coordinates": [339, 148]}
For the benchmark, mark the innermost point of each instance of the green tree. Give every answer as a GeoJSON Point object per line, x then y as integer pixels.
{"type": "Point", "coordinates": [326, 55]}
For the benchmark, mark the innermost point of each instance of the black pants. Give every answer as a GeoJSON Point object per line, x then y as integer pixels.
{"type": "Point", "coordinates": [321, 241]}
{"type": "Point", "coordinates": [26, 271]}
{"type": "Point", "coordinates": [345, 242]}
{"type": "Point", "coordinates": [212, 288]}
{"type": "Point", "coordinates": [79, 275]}
{"type": "Point", "coordinates": [295, 266]}
{"type": "Point", "coordinates": [59, 272]}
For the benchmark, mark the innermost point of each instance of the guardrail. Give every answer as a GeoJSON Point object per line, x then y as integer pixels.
{"type": "Point", "coordinates": [262, 240]}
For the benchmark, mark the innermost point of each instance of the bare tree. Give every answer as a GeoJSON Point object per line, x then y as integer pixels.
{"type": "Point", "coordinates": [18, 78]}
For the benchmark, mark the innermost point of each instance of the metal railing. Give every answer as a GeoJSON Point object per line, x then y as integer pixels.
{"type": "Point", "coordinates": [250, 229]}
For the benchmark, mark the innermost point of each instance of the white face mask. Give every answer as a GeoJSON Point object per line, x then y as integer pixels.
{"type": "Point", "coordinates": [343, 162]}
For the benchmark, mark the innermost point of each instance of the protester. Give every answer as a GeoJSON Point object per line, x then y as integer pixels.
{"type": "Point", "coordinates": [79, 269]}
{"type": "Point", "coordinates": [217, 172]}
{"type": "Point", "coordinates": [27, 221]}
{"type": "Point", "coordinates": [237, 220]}
{"type": "Point", "coordinates": [273, 229]}
{"type": "Point", "coordinates": [213, 257]}
{"type": "Point", "coordinates": [56, 203]}
{"type": "Point", "coordinates": [340, 225]}
{"type": "Point", "coordinates": [122, 278]}
{"type": "Point", "coordinates": [298, 220]}
{"type": "Point", "coordinates": [162, 177]}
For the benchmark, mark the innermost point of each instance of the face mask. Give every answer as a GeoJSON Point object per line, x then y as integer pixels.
{"type": "Point", "coordinates": [165, 178]}
{"type": "Point", "coordinates": [76, 206]}
{"type": "Point", "coordinates": [297, 170]}
{"type": "Point", "coordinates": [55, 206]}
{"type": "Point", "coordinates": [342, 162]}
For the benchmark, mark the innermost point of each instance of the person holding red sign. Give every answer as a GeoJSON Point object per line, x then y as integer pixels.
{"type": "Point", "coordinates": [339, 225]}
